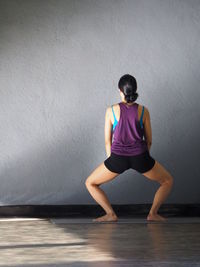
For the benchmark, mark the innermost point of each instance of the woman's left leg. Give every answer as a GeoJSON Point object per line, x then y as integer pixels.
{"type": "Point", "coordinates": [99, 176]}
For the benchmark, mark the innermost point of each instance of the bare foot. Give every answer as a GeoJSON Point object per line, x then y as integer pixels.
{"type": "Point", "coordinates": [106, 218]}
{"type": "Point", "coordinates": [155, 217]}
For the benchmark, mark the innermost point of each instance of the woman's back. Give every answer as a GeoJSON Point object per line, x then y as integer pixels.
{"type": "Point", "coordinates": [128, 129]}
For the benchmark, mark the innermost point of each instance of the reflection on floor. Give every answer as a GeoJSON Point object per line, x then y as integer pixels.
{"type": "Point", "coordinates": [80, 242]}
{"type": "Point", "coordinates": [126, 220]}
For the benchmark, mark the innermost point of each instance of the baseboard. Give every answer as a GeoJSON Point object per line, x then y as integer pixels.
{"type": "Point", "coordinates": [129, 210]}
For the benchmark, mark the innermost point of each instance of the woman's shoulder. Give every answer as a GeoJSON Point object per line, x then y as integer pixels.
{"type": "Point", "coordinates": [114, 106]}
{"type": "Point", "coordinates": [145, 107]}
{"type": "Point", "coordinates": [146, 114]}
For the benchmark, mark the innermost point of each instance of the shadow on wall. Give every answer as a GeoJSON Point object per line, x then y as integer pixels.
{"type": "Point", "coordinates": [50, 174]}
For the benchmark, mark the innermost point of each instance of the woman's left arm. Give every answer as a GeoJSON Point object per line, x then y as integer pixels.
{"type": "Point", "coordinates": [108, 131]}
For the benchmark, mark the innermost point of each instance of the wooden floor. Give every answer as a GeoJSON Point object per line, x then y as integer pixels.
{"type": "Point", "coordinates": [80, 242]}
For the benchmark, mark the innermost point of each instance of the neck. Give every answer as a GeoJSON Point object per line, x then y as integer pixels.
{"type": "Point", "coordinates": [129, 104]}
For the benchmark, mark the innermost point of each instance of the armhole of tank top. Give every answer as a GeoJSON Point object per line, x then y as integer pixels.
{"type": "Point", "coordinates": [113, 115]}
{"type": "Point", "coordinates": [141, 118]}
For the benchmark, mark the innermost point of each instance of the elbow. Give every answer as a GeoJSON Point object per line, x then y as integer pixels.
{"type": "Point", "coordinates": [148, 141]}
{"type": "Point", "coordinates": [149, 145]}
{"type": "Point", "coordinates": [107, 143]}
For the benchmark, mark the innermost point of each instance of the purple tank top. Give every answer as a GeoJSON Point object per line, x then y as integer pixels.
{"type": "Point", "coordinates": [128, 134]}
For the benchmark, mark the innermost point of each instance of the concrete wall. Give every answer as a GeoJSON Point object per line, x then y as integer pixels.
{"type": "Point", "coordinates": [60, 62]}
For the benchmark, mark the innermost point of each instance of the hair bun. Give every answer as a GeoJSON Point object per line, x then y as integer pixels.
{"type": "Point", "coordinates": [131, 98]}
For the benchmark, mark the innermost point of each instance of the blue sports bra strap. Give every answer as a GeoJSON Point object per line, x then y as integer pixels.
{"type": "Point", "coordinates": [113, 114]}
{"type": "Point", "coordinates": [142, 116]}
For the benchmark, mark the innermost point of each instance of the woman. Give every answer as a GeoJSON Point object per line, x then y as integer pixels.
{"type": "Point", "coordinates": [126, 123]}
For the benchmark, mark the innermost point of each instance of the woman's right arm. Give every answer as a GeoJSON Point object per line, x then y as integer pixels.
{"type": "Point", "coordinates": [147, 128]}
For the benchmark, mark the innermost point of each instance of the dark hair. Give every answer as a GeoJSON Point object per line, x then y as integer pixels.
{"type": "Point", "coordinates": [128, 85]}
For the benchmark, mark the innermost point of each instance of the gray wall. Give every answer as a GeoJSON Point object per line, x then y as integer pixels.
{"type": "Point", "coordinates": [60, 62]}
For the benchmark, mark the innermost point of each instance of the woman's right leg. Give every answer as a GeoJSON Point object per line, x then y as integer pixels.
{"type": "Point", "coordinates": [159, 174]}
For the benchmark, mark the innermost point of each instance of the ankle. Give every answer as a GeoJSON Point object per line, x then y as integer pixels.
{"type": "Point", "coordinates": [111, 213]}
{"type": "Point", "coordinates": [153, 213]}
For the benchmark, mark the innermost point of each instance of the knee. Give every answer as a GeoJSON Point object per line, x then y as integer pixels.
{"type": "Point", "coordinates": [88, 182]}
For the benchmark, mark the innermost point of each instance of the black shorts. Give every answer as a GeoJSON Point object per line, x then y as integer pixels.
{"type": "Point", "coordinates": [141, 163]}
